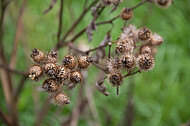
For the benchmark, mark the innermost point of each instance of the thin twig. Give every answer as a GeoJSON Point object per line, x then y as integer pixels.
{"type": "Point", "coordinates": [50, 6]}
{"type": "Point", "coordinates": [60, 20]}
{"type": "Point", "coordinates": [129, 74]}
{"type": "Point", "coordinates": [141, 3]}
{"type": "Point", "coordinates": [100, 67]}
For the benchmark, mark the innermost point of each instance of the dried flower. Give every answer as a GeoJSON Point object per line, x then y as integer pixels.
{"type": "Point", "coordinates": [144, 34]}
{"type": "Point", "coordinates": [50, 69]}
{"type": "Point", "coordinates": [125, 46]}
{"type": "Point", "coordinates": [76, 77]}
{"type": "Point", "coordinates": [84, 61]}
{"type": "Point", "coordinates": [35, 72]}
{"type": "Point", "coordinates": [114, 64]}
{"type": "Point", "coordinates": [145, 62]}
{"type": "Point", "coordinates": [128, 61]}
{"type": "Point", "coordinates": [115, 79]}
{"type": "Point", "coordinates": [37, 56]}
{"type": "Point", "coordinates": [52, 57]}
{"type": "Point", "coordinates": [69, 61]}
{"type": "Point", "coordinates": [50, 85]}
{"type": "Point", "coordinates": [129, 32]}
{"type": "Point", "coordinates": [126, 14]}
{"type": "Point", "coordinates": [145, 49]}
{"type": "Point", "coordinates": [63, 73]}
{"type": "Point", "coordinates": [156, 40]}
{"type": "Point", "coordinates": [60, 99]}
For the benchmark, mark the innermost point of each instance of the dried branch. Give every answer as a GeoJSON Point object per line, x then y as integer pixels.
{"type": "Point", "coordinates": [60, 20]}
{"type": "Point", "coordinates": [129, 74]}
{"type": "Point", "coordinates": [50, 6]}
{"type": "Point", "coordinates": [5, 118]}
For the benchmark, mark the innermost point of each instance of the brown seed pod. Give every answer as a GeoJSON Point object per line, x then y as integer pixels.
{"type": "Point", "coordinates": [164, 3]}
{"type": "Point", "coordinates": [145, 62]}
{"type": "Point", "coordinates": [63, 73]}
{"type": "Point", "coordinates": [60, 99]}
{"type": "Point", "coordinates": [76, 77]}
{"type": "Point", "coordinates": [114, 64]}
{"type": "Point", "coordinates": [52, 57]}
{"type": "Point", "coordinates": [50, 69]}
{"type": "Point", "coordinates": [84, 62]}
{"type": "Point", "coordinates": [115, 79]}
{"type": "Point", "coordinates": [37, 55]}
{"type": "Point", "coordinates": [156, 40]}
{"type": "Point", "coordinates": [50, 85]}
{"type": "Point", "coordinates": [35, 72]}
{"type": "Point", "coordinates": [69, 61]}
{"type": "Point", "coordinates": [144, 33]}
{"type": "Point", "coordinates": [145, 49]}
{"type": "Point", "coordinates": [128, 61]}
{"type": "Point", "coordinates": [126, 14]}
{"type": "Point", "coordinates": [125, 46]}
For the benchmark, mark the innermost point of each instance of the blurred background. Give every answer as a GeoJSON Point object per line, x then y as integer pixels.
{"type": "Point", "coordinates": [157, 98]}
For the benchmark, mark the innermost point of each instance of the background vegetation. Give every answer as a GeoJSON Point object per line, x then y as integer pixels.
{"type": "Point", "coordinates": [161, 97]}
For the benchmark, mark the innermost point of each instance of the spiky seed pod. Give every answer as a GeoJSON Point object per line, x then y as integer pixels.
{"type": "Point", "coordinates": [69, 61]}
{"type": "Point", "coordinates": [37, 55]}
{"type": "Point", "coordinates": [35, 72]}
{"type": "Point", "coordinates": [50, 69]}
{"type": "Point", "coordinates": [84, 61]}
{"type": "Point", "coordinates": [156, 40]}
{"type": "Point", "coordinates": [145, 62]}
{"type": "Point", "coordinates": [76, 77]}
{"type": "Point", "coordinates": [145, 49]}
{"type": "Point", "coordinates": [60, 99]}
{"type": "Point", "coordinates": [115, 79]}
{"type": "Point", "coordinates": [114, 64]}
{"type": "Point", "coordinates": [50, 85]}
{"type": "Point", "coordinates": [164, 3]}
{"type": "Point", "coordinates": [128, 61]}
{"type": "Point", "coordinates": [63, 73]}
{"type": "Point", "coordinates": [144, 34]}
{"type": "Point", "coordinates": [52, 57]}
{"type": "Point", "coordinates": [126, 14]}
{"type": "Point", "coordinates": [125, 46]}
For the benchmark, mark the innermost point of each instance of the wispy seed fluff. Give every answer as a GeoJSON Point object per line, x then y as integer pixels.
{"type": "Point", "coordinates": [59, 99]}
{"type": "Point", "coordinates": [145, 62]}
{"type": "Point", "coordinates": [156, 40]}
{"type": "Point", "coordinates": [114, 64]}
{"type": "Point", "coordinates": [129, 32]}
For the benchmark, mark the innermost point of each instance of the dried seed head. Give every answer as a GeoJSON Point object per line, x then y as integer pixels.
{"type": "Point", "coordinates": [69, 61]}
{"type": "Point", "coordinates": [52, 57]}
{"type": "Point", "coordinates": [125, 46]}
{"type": "Point", "coordinates": [111, 2]}
{"type": "Point", "coordinates": [50, 85]}
{"type": "Point", "coordinates": [129, 32]}
{"type": "Point", "coordinates": [128, 61]}
{"type": "Point", "coordinates": [76, 77]}
{"type": "Point", "coordinates": [156, 40]}
{"type": "Point", "coordinates": [50, 69]}
{"type": "Point", "coordinates": [115, 79]}
{"type": "Point", "coordinates": [126, 14]}
{"type": "Point", "coordinates": [35, 72]}
{"type": "Point", "coordinates": [144, 33]}
{"type": "Point", "coordinates": [164, 3]}
{"type": "Point", "coordinates": [63, 73]}
{"type": "Point", "coordinates": [84, 61]}
{"type": "Point", "coordinates": [113, 64]}
{"type": "Point", "coordinates": [37, 56]}
{"type": "Point", "coordinates": [60, 99]}
{"type": "Point", "coordinates": [146, 62]}
{"type": "Point", "coordinates": [145, 49]}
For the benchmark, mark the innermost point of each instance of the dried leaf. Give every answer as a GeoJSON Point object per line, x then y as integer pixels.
{"type": "Point", "coordinates": [89, 30]}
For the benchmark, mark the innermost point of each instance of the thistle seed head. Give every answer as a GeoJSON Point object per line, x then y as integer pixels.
{"type": "Point", "coordinates": [76, 77]}
{"type": "Point", "coordinates": [127, 61]}
{"type": "Point", "coordinates": [52, 57]}
{"type": "Point", "coordinates": [60, 99]}
{"type": "Point", "coordinates": [84, 62]}
{"type": "Point", "coordinates": [69, 61]}
{"type": "Point", "coordinates": [156, 40]}
{"type": "Point", "coordinates": [37, 55]}
{"type": "Point", "coordinates": [144, 34]}
{"type": "Point", "coordinates": [50, 85]}
{"type": "Point", "coordinates": [50, 69]}
{"type": "Point", "coordinates": [115, 79]}
{"type": "Point", "coordinates": [126, 14]}
{"type": "Point", "coordinates": [146, 62]}
{"type": "Point", "coordinates": [35, 72]}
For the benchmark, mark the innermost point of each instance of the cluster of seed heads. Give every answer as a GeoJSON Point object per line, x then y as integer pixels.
{"type": "Point", "coordinates": [135, 49]}
{"type": "Point", "coordinates": [69, 71]}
